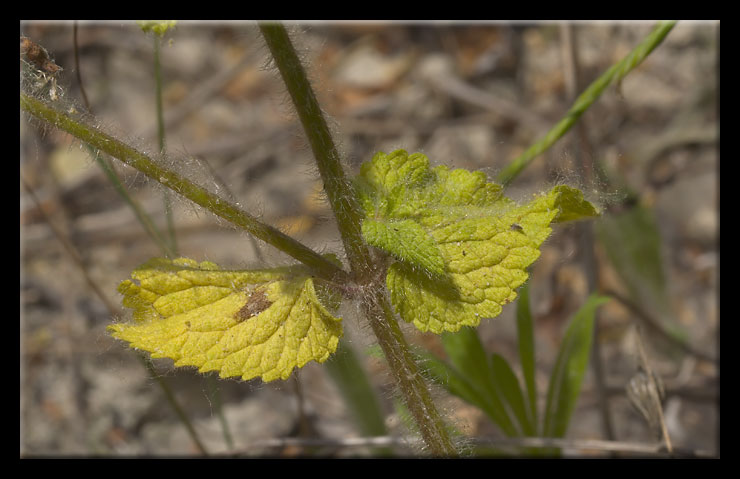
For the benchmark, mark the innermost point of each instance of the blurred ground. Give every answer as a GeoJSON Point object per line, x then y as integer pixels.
{"type": "Point", "coordinates": [472, 96]}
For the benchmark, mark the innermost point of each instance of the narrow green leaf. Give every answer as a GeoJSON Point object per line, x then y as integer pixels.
{"type": "Point", "coordinates": [632, 242]}
{"type": "Point", "coordinates": [525, 335]}
{"type": "Point", "coordinates": [351, 379]}
{"type": "Point", "coordinates": [450, 378]}
{"type": "Point", "coordinates": [614, 74]}
{"type": "Point", "coordinates": [466, 353]}
{"type": "Point", "coordinates": [570, 366]}
{"type": "Point", "coordinates": [507, 382]}
{"type": "Point", "coordinates": [460, 385]}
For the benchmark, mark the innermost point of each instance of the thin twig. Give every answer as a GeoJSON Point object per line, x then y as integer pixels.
{"type": "Point", "coordinates": [581, 445]}
{"type": "Point", "coordinates": [76, 50]}
{"type": "Point", "coordinates": [161, 136]}
{"type": "Point", "coordinates": [173, 403]}
{"type": "Point", "coordinates": [71, 250]}
{"type": "Point", "coordinates": [463, 91]}
{"type": "Point", "coordinates": [706, 393]}
{"type": "Point", "coordinates": [655, 390]}
{"type": "Point", "coordinates": [585, 230]}
{"type": "Point", "coordinates": [110, 171]}
{"type": "Point", "coordinates": [655, 326]}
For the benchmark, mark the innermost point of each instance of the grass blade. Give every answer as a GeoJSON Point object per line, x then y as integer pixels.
{"type": "Point", "coordinates": [614, 74]}
{"type": "Point", "coordinates": [451, 379]}
{"type": "Point", "coordinates": [570, 366]}
{"type": "Point", "coordinates": [466, 353]}
{"type": "Point", "coordinates": [632, 242]}
{"type": "Point", "coordinates": [457, 383]}
{"type": "Point", "coordinates": [507, 382]}
{"type": "Point", "coordinates": [352, 381]}
{"type": "Point", "coordinates": [525, 336]}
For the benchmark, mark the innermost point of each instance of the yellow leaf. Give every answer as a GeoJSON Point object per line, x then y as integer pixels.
{"type": "Point", "coordinates": [258, 323]}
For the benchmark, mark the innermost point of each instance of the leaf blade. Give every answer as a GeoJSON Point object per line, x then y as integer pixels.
{"type": "Point", "coordinates": [261, 323]}
{"type": "Point", "coordinates": [462, 386]}
{"type": "Point", "coordinates": [352, 381]}
{"type": "Point", "coordinates": [466, 353]}
{"type": "Point", "coordinates": [463, 247]}
{"type": "Point", "coordinates": [507, 382]}
{"type": "Point", "coordinates": [525, 338]}
{"type": "Point", "coordinates": [570, 367]}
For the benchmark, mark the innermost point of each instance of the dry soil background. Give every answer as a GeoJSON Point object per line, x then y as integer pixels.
{"type": "Point", "coordinates": [467, 95]}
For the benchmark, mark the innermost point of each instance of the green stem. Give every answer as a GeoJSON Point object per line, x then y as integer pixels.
{"type": "Point", "coordinates": [349, 218]}
{"type": "Point", "coordinates": [161, 136]}
{"type": "Point", "coordinates": [616, 73]}
{"type": "Point", "coordinates": [140, 214]}
{"type": "Point", "coordinates": [214, 393]}
{"type": "Point", "coordinates": [406, 374]}
{"type": "Point", "coordinates": [198, 195]}
{"type": "Point", "coordinates": [170, 396]}
{"type": "Point", "coordinates": [108, 169]}
{"type": "Point", "coordinates": [337, 187]}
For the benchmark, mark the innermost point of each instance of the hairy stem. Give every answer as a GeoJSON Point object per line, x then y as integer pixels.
{"type": "Point", "coordinates": [407, 375]}
{"type": "Point", "coordinates": [614, 74]}
{"type": "Point", "coordinates": [349, 217]}
{"type": "Point", "coordinates": [198, 195]}
{"type": "Point", "coordinates": [337, 187]}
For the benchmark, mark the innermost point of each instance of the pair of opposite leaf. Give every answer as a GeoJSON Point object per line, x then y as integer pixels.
{"type": "Point", "coordinates": [461, 251]}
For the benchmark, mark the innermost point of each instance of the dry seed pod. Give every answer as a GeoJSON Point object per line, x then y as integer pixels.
{"type": "Point", "coordinates": [36, 55]}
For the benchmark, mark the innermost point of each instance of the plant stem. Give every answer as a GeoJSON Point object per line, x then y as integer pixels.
{"type": "Point", "coordinates": [616, 73]}
{"type": "Point", "coordinates": [161, 137]}
{"type": "Point", "coordinates": [337, 187]}
{"type": "Point", "coordinates": [110, 172]}
{"type": "Point", "coordinates": [170, 396]}
{"type": "Point", "coordinates": [349, 217]}
{"type": "Point", "coordinates": [140, 214]}
{"type": "Point", "coordinates": [197, 194]}
{"type": "Point", "coordinates": [407, 375]}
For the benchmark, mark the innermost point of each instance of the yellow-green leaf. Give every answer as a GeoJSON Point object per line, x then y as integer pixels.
{"type": "Point", "coordinates": [406, 240]}
{"type": "Point", "coordinates": [572, 205]}
{"type": "Point", "coordinates": [463, 247]}
{"type": "Point", "coordinates": [259, 323]}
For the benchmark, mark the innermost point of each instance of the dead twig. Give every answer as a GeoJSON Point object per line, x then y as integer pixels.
{"type": "Point", "coordinates": [574, 445]}
{"type": "Point", "coordinates": [655, 326]}
{"type": "Point", "coordinates": [646, 393]}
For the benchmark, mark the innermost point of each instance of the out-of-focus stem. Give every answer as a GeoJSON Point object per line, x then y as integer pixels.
{"type": "Point", "coordinates": [197, 194]}
{"type": "Point", "coordinates": [162, 143]}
